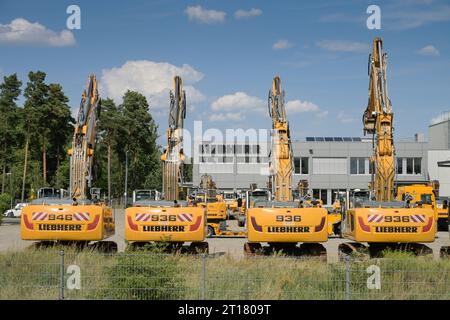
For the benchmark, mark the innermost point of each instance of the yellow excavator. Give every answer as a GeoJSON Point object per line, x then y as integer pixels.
{"type": "Point", "coordinates": [172, 220]}
{"type": "Point", "coordinates": [216, 209]}
{"type": "Point", "coordinates": [379, 219]}
{"type": "Point", "coordinates": [282, 222]}
{"type": "Point", "coordinates": [82, 218]}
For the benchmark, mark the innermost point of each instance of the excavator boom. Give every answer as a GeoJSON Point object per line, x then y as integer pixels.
{"type": "Point", "coordinates": [84, 141]}
{"type": "Point", "coordinates": [378, 121]}
{"type": "Point", "coordinates": [281, 164]}
{"type": "Point", "coordinates": [173, 157]}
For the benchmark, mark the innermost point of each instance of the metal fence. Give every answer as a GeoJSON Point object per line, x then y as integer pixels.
{"type": "Point", "coordinates": [69, 274]}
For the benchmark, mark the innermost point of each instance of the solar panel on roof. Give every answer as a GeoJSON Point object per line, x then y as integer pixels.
{"type": "Point", "coordinates": [309, 138]}
{"type": "Point", "coordinates": [357, 139]}
{"type": "Point", "coordinates": [347, 139]}
{"type": "Point", "coordinates": [328, 139]}
{"type": "Point", "coordinates": [319, 138]}
{"type": "Point", "coordinates": [338, 139]}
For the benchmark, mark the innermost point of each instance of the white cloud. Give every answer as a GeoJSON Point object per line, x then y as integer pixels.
{"type": "Point", "coordinates": [234, 107]}
{"type": "Point", "coordinates": [152, 79]}
{"type": "Point", "coordinates": [429, 51]}
{"type": "Point", "coordinates": [242, 14]}
{"type": "Point", "coordinates": [417, 16]}
{"type": "Point", "coordinates": [198, 14]}
{"type": "Point", "coordinates": [322, 114]}
{"type": "Point", "coordinates": [237, 101]}
{"type": "Point", "coordinates": [344, 118]}
{"type": "Point", "coordinates": [298, 106]}
{"type": "Point", "coordinates": [226, 116]}
{"type": "Point", "coordinates": [343, 46]}
{"type": "Point", "coordinates": [23, 32]}
{"type": "Point", "coordinates": [282, 44]}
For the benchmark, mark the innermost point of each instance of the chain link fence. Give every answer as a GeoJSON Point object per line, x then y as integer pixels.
{"type": "Point", "coordinates": [48, 274]}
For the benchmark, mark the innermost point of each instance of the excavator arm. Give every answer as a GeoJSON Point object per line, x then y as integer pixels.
{"type": "Point", "coordinates": [281, 159]}
{"type": "Point", "coordinates": [378, 121]}
{"type": "Point", "coordinates": [84, 138]}
{"type": "Point", "coordinates": [173, 156]}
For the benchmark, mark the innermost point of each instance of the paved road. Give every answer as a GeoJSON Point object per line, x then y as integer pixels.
{"type": "Point", "coordinates": [10, 239]}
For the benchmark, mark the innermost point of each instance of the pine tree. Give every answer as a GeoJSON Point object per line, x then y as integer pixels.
{"type": "Point", "coordinates": [9, 132]}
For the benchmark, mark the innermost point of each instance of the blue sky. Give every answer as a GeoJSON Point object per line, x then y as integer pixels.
{"type": "Point", "coordinates": [228, 59]}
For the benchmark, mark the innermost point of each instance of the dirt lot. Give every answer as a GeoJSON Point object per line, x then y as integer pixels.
{"type": "Point", "coordinates": [10, 239]}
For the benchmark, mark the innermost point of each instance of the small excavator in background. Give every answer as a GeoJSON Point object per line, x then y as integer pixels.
{"type": "Point", "coordinates": [378, 219]}
{"type": "Point", "coordinates": [252, 196]}
{"type": "Point", "coordinates": [83, 217]}
{"type": "Point", "coordinates": [171, 220]}
{"type": "Point", "coordinates": [282, 222]}
{"type": "Point", "coordinates": [427, 195]}
{"type": "Point", "coordinates": [231, 200]}
{"type": "Point", "coordinates": [216, 209]}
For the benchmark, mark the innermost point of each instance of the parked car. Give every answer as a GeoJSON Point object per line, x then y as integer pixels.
{"type": "Point", "coordinates": [16, 211]}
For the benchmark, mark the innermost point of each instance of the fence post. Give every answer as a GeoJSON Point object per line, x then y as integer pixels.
{"type": "Point", "coordinates": [203, 276]}
{"type": "Point", "coordinates": [347, 277]}
{"type": "Point", "coordinates": [61, 275]}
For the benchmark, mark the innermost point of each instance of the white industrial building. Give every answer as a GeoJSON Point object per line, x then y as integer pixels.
{"type": "Point", "coordinates": [329, 164]}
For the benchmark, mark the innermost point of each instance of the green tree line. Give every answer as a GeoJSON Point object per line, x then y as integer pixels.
{"type": "Point", "coordinates": [35, 138]}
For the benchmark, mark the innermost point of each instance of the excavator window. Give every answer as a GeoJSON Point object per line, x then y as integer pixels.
{"type": "Point", "coordinates": [426, 199]}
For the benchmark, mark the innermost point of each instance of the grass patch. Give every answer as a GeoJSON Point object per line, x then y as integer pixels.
{"type": "Point", "coordinates": [153, 275]}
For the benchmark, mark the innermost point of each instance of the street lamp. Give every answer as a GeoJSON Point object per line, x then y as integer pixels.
{"type": "Point", "coordinates": [10, 187]}
{"type": "Point", "coordinates": [126, 178]}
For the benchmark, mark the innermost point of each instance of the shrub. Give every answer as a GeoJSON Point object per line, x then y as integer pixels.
{"type": "Point", "coordinates": [5, 204]}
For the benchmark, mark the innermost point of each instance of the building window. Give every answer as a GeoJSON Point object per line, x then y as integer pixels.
{"type": "Point", "coordinates": [409, 165]}
{"type": "Point", "coordinates": [413, 166]}
{"type": "Point", "coordinates": [335, 194]}
{"type": "Point", "coordinates": [361, 165]}
{"type": "Point", "coordinates": [301, 165]}
{"type": "Point", "coordinates": [316, 193]}
{"type": "Point", "coordinates": [358, 165]}
{"type": "Point", "coordinates": [417, 165]}
{"type": "Point", "coordinates": [323, 196]}
{"type": "Point", "coordinates": [399, 165]}
{"type": "Point", "coordinates": [353, 166]}
{"type": "Point", "coordinates": [305, 165]}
